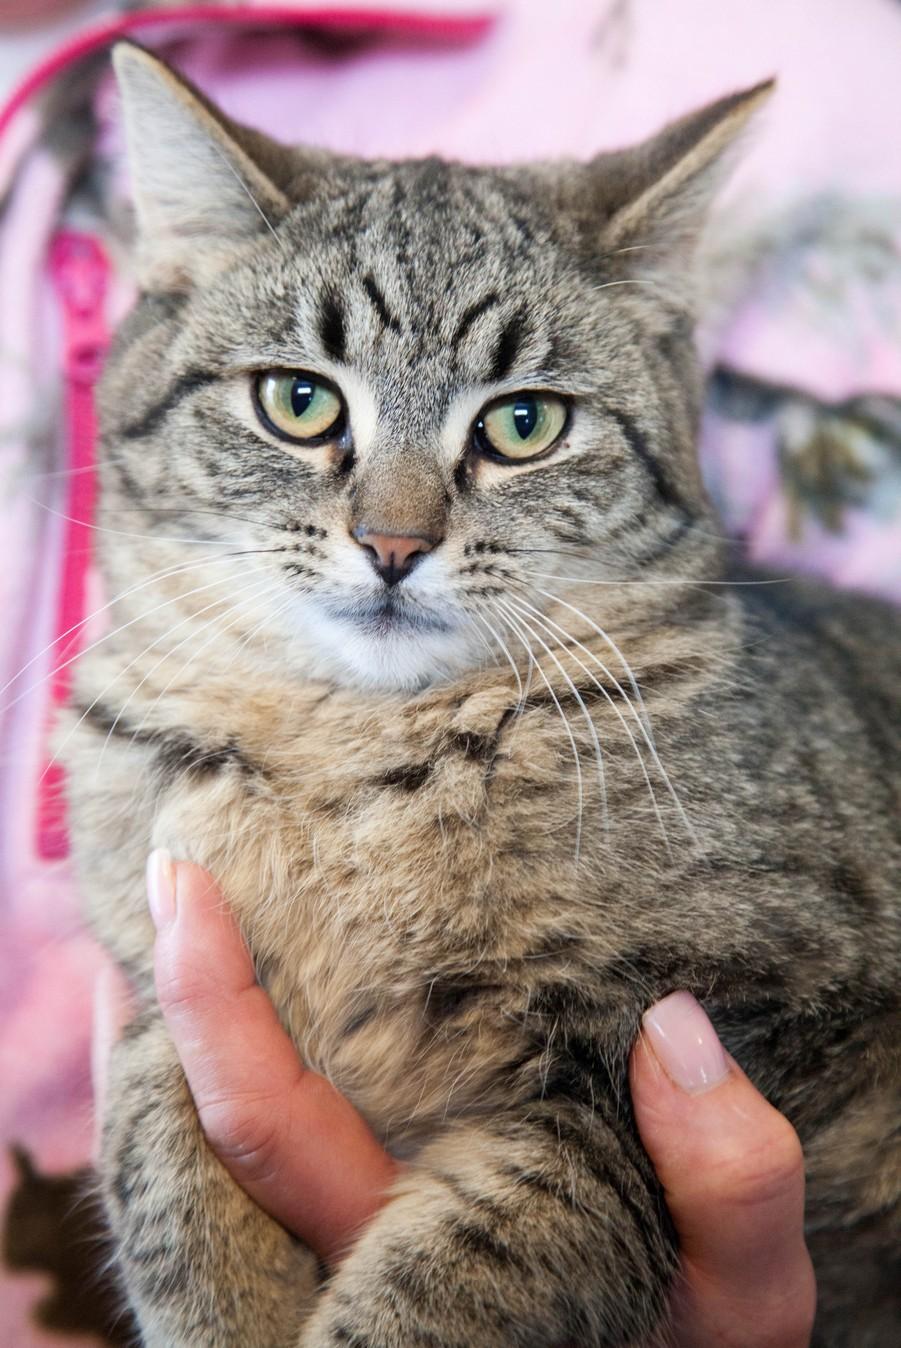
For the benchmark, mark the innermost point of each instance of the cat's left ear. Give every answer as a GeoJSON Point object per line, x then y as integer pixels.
{"type": "Point", "coordinates": [199, 192]}
{"type": "Point", "coordinates": [648, 204]}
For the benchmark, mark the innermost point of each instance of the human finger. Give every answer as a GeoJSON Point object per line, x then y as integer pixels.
{"type": "Point", "coordinates": [287, 1136]}
{"type": "Point", "coordinates": [732, 1171]}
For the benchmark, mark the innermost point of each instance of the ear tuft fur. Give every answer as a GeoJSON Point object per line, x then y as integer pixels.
{"type": "Point", "coordinates": [197, 192]}
{"type": "Point", "coordinates": [656, 196]}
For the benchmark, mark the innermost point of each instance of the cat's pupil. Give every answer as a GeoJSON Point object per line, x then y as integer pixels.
{"type": "Point", "coordinates": [525, 417]}
{"type": "Point", "coordinates": [302, 392]}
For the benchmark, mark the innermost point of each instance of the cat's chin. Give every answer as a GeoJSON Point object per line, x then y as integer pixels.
{"type": "Point", "coordinates": [387, 649]}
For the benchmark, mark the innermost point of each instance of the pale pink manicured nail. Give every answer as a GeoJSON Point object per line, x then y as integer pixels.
{"type": "Point", "coordinates": [161, 887]}
{"type": "Point", "coordinates": [685, 1043]}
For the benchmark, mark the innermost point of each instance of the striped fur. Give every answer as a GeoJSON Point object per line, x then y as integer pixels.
{"type": "Point", "coordinates": [463, 872]}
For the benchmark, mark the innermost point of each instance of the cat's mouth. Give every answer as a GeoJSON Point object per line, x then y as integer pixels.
{"type": "Point", "coordinates": [389, 641]}
{"type": "Point", "coordinates": [388, 616]}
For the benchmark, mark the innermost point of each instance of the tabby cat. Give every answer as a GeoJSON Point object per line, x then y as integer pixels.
{"type": "Point", "coordinates": [425, 644]}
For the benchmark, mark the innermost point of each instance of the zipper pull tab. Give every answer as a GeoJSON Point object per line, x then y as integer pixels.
{"type": "Point", "coordinates": [80, 271]}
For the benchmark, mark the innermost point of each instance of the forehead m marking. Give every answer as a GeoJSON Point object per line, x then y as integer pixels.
{"type": "Point", "coordinates": [332, 331]}
{"type": "Point", "coordinates": [472, 314]}
{"type": "Point", "coordinates": [380, 304]}
{"type": "Point", "coordinates": [507, 348]}
{"type": "Point", "coordinates": [180, 388]}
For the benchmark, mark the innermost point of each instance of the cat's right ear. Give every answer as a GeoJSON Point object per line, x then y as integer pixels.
{"type": "Point", "coordinates": [198, 194]}
{"type": "Point", "coordinates": [644, 208]}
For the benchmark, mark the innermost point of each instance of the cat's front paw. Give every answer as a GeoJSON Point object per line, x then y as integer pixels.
{"type": "Point", "coordinates": [338, 1333]}
{"type": "Point", "coordinates": [348, 1330]}
{"type": "Point", "coordinates": [349, 1326]}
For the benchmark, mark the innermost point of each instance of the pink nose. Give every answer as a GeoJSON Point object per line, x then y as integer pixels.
{"type": "Point", "coordinates": [393, 555]}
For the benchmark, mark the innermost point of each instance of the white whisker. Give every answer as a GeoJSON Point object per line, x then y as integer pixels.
{"type": "Point", "coordinates": [515, 627]}
{"type": "Point", "coordinates": [87, 711]}
{"type": "Point", "coordinates": [253, 201]}
{"type": "Point", "coordinates": [596, 627]}
{"type": "Point", "coordinates": [123, 533]}
{"type": "Point", "coordinates": [229, 515]}
{"type": "Point", "coordinates": [631, 281]}
{"type": "Point", "coordinates": [512, 663]}
{"type": "Point", "coordinates": [194, 654]}
{"type": "Point", "coordinates": [657, 580]}
{"type": "Point", "coordinates": [602, 777]}
{"type": "Point", "coordinates": [254, 585]}
{"type": "Point", "coordinates": [216, 633]}
{"type": "Point", "coordinates": [605, 693]}
{"type": "Point", "coordinates": [640, 720]}
{"type": "Point", "coordinates": [167, 574]}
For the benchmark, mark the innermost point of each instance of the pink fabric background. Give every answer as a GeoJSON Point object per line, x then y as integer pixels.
{"type": "Point", "coordinates": [573, 77]}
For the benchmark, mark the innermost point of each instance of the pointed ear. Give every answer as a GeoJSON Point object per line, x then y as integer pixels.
{"type": "Point", "coordinates": [655, 197]}
{"type": "Point", "coordinates": [198, 192]}
{"type": "Point", "coordinates": [23, 1163]}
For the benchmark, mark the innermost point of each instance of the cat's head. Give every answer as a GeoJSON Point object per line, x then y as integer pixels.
{"type": "Point", "coordinates": [416, 396]}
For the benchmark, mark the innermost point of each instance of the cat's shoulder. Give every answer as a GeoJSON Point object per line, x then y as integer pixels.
{"type": "Point", "coordinates": [819, 615]}
{"type": "Point", "coordinates": [833, 653]}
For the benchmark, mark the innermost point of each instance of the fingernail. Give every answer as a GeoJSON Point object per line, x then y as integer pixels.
{"type": "Point", "coordinates": [161, 887]}
{"type": "Point", "coordinates": [685, 1043]}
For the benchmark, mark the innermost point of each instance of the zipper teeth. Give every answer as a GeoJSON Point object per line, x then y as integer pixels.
{"type": "Point", "coordinates": [442, 27]}
{"type": "Point", "coordinates": [80, 273]}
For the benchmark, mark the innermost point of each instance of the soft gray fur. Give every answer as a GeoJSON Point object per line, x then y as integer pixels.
{"type": "Point", "coordinates": [475, 822]}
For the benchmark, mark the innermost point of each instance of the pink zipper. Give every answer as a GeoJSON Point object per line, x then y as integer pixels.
{"type": "Point", "coordinates": [80, 274]}
{"type": "Point", "coordinates": [453, 27]}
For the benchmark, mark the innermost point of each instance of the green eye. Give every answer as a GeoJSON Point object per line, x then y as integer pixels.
{"type": "Point", "coordinates": [521, 427]}
{"type": "Point", "coordinates": [298, 406]}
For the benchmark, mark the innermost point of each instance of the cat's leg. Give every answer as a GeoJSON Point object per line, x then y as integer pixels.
{"type": "Point", "coordinates": [532, 1231]}
{"type": "Point", "coordinates": [203, 1266]}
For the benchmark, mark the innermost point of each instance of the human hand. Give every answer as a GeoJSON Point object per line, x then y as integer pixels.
{"type": "Point", "coordinates": [732, 1173]}
{"type": "Point", "coordinates": [730, 1165]}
